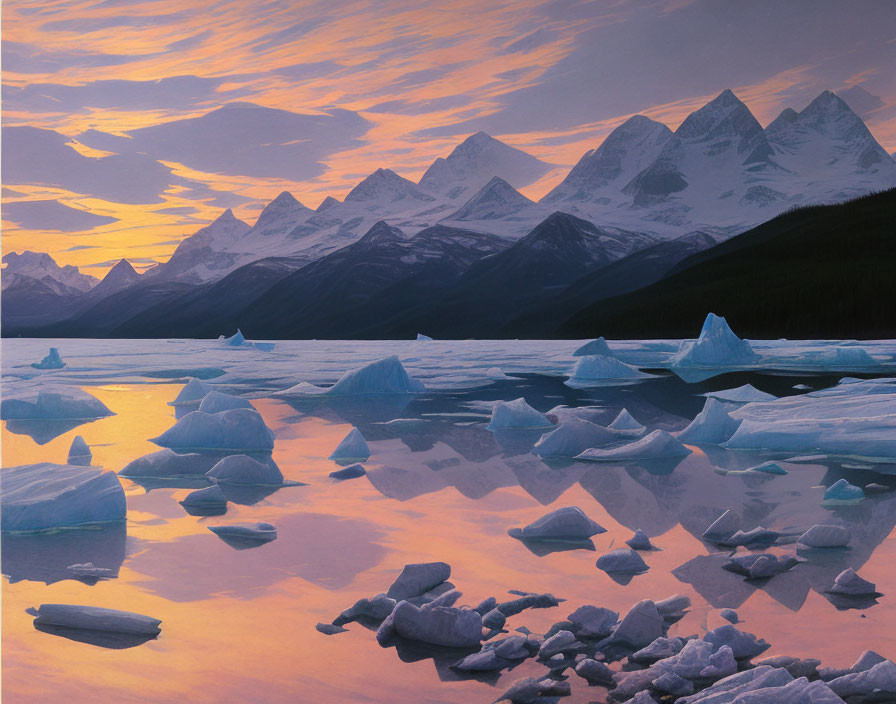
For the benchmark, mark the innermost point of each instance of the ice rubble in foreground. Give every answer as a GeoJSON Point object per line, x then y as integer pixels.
{"type": "Point", "coordinates": [846, 420]}
{"type": "Point", "coordinates": [716, 346]}
{"type": "Point", "coordinates": [507, 415]}
{"type": "Point", "coordinates": [94, 618]}
{"type": "Point", "coordinates": [385, 376]}
{"type": "Point", "coordinates": [52, 403]}
{"type": "Point", "coordinates": [595, 369]}
{"type": "Point", "coordinates": [51, 361]}
{"type": "Point", "coordinates": [238, 430]}
{"type": "Point", "coordinates": [47, 496]}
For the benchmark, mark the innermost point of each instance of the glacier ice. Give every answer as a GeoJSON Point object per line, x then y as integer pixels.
{"type": "Point", "coordinates": [241, 469]}
{"type": "Point", "coordinates": [717, 346]}
{"type": "Point", "coordinates": [238, 430]}
{"type": "Point", "coordinates": [352, 448]}
{"type": "Point", "coordinates": [568, 523]}
{"type": "Point", "coordinates": [52, 403]}
{"type": "Point", "coordinates": [95, 618]}
{"type": "Point", "coordinates": [215, 402]}
{"type": "Point", "coordinates": [79, 452]}
{"type": "Point", "coordinates": [595, 347]}
{"type": "Point", "coordinates": [572, 437]}
{"type": "Point", "coordinates": [625, 421]}
{"type": "Point", "coordinates": [824, 536]}
{"type": "Point", "coordinates": [852, 358]}
{"type": "Point", "coordinates": [742, 394]}
{"type": "Point", "coordinates": [657, 445]}
{"type": "Point", "coordinates": [622, 560]}
{"type": "Point", "coordinates": [384, 376]}
{"type": "Point", "coordinates": [712, 425]}
{"type": "Point", "coordinates": [595, 370]}
{"type": "Point", "coordinates": [48, 496]}
{"type": "Point", "coordinates": [192, 393]}
{"type": "Point", "coordinates": [842, 490]}
{"type": "Point", "coordinates": [51, 361]}
{"type": "Point", "coordinates": [516, 414]}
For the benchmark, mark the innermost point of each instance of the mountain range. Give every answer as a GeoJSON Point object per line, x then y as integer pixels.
{"type": "Point", "coordinates": [462, 252]}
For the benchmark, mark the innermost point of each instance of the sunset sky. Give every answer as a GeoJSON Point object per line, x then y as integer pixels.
{"type": "Point", "coordinates": [371, 84]}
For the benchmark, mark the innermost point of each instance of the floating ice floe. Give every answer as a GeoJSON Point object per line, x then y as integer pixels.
{"type": "Point", "coordinates": [51, 361]}
{"type": "Point", "coordinates": [209, 497]}
{"type": "Point", "coordinates": [569, 523]}
{"type": "Point", "coordinates": [595, 347]}
{"type": "Point", "coordinates": [843, 358]}
{"type": "Point", "coordinates": [167, 464]}
{"type": "Point", "coordinates": [712, 425]}
{"type": "Point", "coordinates": [597, 370]}
{"type": "Point", "coordinates": [729, 615]}
{"type": "Point", "coordinates": [241, 469]}
{"type": "Point", "coordinates": [819, 536]}
{"type": "Point", "coordinates": [79, 452]}
{"type": "Point", "coordinates": [623, 561]}
{"type": "Point", "coordinates": [423, 338]}
{"type": "Point", "coordinates": [352, 448]}
{"type": "Point", "coordinates": [238, 430]}
{"type": "Point", "coordinates": [625, 421]}
{"type": "Point", "coordinates": [215, 402]}
{"type": "Point", "coordinates": [48, 496]}
{"type": "Point", "coordinates": [261, 532]}
{"type": "Point", "coordinates": [848, 583]}
{"type": "Point", "coordinates": [54, 403]}
{"type": "Point", "coordinates": [572, 437]}
{"type": "Point", "coordinates": [351, 472]}
{"type": "Point", "coordinates": [640, 541]}
{"type": "Point", "coordinates": [842, 490]}
{"type": "Point", "coordinates": [192, 393]}
{"type": "Point", "coordinates": [508, 415]}
{"type": "Point", "coordinates": [717, 346]}
{"type": "Point", "coordinates": [385, 376]}
{"type": "Point", "coordinates": [657, 445]}
{"type": "Point", "coordinates": [742, 394]}
{"type": "Point", "coordinates": [94, 618]}
{"type": "Point", "coordinates": [432, 623]}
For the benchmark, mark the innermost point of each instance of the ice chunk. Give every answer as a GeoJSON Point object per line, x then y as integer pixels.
{"type": "Point", "coordinates": [192, 393]}
{"type": "Point", "coordinates": [867, 660]}
{"type": "Point", "coordinates": [657, 445]}
{"type": "Point", "coordinates": [593, 621]}
{"type": "Point", "coordinates": [209, 497]}
{"type": "Point", "coordinates": [845, 357]}
{"type": "Point", "coordinates": [641, 626]}
{"type": "Point", "coordinates": [483, 661]}
{"type": "Point", "coordinates": [712, 425]}
{"type": "Point", "coordinates": [742, 394]}
{"type": "Point", "coordinates": [235, 340]}
{"type": "Point", "coordinates": [659, 649]}
{"type": "Point", "coordinates": [96, 619]}
{"type": "Point", "coordinates": [625, 421]}
{"type": "Point", "coordinates": [593, 369]}
{"type": "Point", "coordinates": [639, 541]}
{"type": "Point", "coordinates": [53, 403]}
{"type": "Point", "coordinates": [51, 361]}
{"type": "Point", "coordinates": [352, 448]}
{"type": "Point", "coordinates": [743, 645]}
{"type": "Point", "coordinates": [672, 684]}
{"type": "Point", "coordinates": [423, 338]}
{"type": "Point", "coordinates": [215, 402]}
{"type": "Point", "coordinates": [849, 583]}
{"type": "Point", "coordinates": [716, 346]}
{"type": "Point", "coordinates": [760, 566]}
{"type": "Point", "coordinates": [79, 453]}
{"type": "Point", "coordinates": [721, 664]}
{"type": "Point", "coordinates": [419, 578]}
{"type": "Point", "coordinates": [437, 625]}
{"type": "Point", "coordinates": [877, 684]}
{"type": "Point", "coordinates": [819, 536]}
{"type": "Point", "coordinates": [238, 430]}
{"type": "Point", "coordinates": [842, 490]}
{"type": "Point", "coordinates": [329, 629]}
{"type": "Point", "coordinates": [47, 496]}
{"type": "Point", "coordinates": [516, 414]}
{"type": "Point", "coordinates": [261, 532]}
{"type": "Point", "coordinates": [622, 560]}
{"type": "Point", "coordinates": [723, 527]}
{"type": "Point", "coordinates": [385, 376]}
{"type": "Point", "coordinates": [568, 523]}
{"type": "Point", "coordinates": [729, 615]}
{"type": "Point", "coordinates": [241, 469]}
{"type": "Point", "coordinates": [572, 437]}
{"type": "Point", "coordinates": [168, 463]}
{"type": "Point", "coordinates": [594, 671]}
{"type": "Point", "coordinates": [562, 642]}
{"type": "Point", "coordinates": [595, 347]}
{"type": "Point", "coordinates": [351, 472]}
{"type": "Point", "coordinates": [768, 468]}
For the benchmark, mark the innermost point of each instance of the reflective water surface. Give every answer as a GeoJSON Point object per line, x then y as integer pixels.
{"type": "Point", "coordinates": [239, 624]}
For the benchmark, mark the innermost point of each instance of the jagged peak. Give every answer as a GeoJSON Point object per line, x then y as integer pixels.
{"type": "Point", "coordinates": [326, 204]}
{"type": "Point", "coordinates": [381, 230]}
{"type": "Point", "coordinates": [827, 102]}
{"type": "Point", "coordinates": [122, 271]}
{"type": "Point", "coordinates": [285, 198]}
{"type": "Point", "coordinates": [717, 111]}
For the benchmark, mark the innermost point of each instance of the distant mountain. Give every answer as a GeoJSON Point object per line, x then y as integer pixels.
{"type": "Point", "coordinates": [819, 271]}
{"type": "Point", "coordinates": [383, 189]}
{"type": "Point", "coordinates": [42, 267]}
{"type": "Point", "coordinates": [496, 199]}
{"type": "Point", "coordinates": [475, 161]}
{"type": "Point", "coordinates": [118, 277]}
{"type": "Point", "coordinates": [280, 216]}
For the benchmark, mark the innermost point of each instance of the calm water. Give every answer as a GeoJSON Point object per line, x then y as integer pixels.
{"type": "Point", "coordinates": [238, 625]}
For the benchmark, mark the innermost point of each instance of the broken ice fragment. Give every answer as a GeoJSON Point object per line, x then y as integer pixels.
{"type": "Point", "coordinates": [568, 523]}
{"type": "Point", "coordinates": [352, 448]}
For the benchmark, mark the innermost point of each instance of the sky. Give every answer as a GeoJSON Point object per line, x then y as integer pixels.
{"type": "Point", "coordinates": [129, 124]}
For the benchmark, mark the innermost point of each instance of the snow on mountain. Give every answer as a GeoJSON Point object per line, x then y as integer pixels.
{"type": "Point", "coordinates": [280, 216]}
{"type": "Point", "coordinates": [118, 277]}
{"type": "Point", "coordinates": [475, 161]}
{"type": "Point", "coordinates": [42, 267]}
{"type": "Point", "coordinates": [385, 188]}
{"type": "Point", "coordinates": [497, 199]}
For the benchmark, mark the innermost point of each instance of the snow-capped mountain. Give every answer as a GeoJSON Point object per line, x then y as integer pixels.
{"type": "Point", "coordinates": [118, 277]}
{"type": "Point", "coordinates": [384, 189]}
{"type": "Point", "coordinates": [496, 199]}
{"type": "Point", "coordinates": [42, 267]}
{"type": "Point", "coordinates": [475, 161]}
{"type": "Point", "coordinates": [280, 216]}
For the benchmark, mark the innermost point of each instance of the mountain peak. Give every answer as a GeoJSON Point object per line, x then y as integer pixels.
{"type": "Point", "coordinates": [281, 212]}
{"type": "Point", "coordinates": [496, 199]}
{"type": "Point", "coordinates": [381, 232]}
{"type": "Point", "coordinates": [326, 204]}
{"type": "Point", "coordinates": [119, 276]}
{"type": "Point", "coordinates": [226, 216]}
{"type": "Point", "coordinates": [724, 111]}
{"type": "Point", "coordinates": [386, 186]}
{"type": "Point", "coordinates": [285, 198]}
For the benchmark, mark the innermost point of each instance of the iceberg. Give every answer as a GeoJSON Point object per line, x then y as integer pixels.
{"type": "Point", "coordinates": [215, 402]}
{"type": "Point", "coordinates": [54, 403]}
{"type": "Point", "coordinates": [385, 376]}
{"type": "Point", "coordinates": [819, 536]}
{"type": "Point", "coordinates": [238, 430]}
{"type": "Point", "coordinates": [595, 369]}
{"type": "Point", "coordinates": [445, 626]}
{"type": "Point", "coordinates": [657, 445]}
{"type": "Point", "coordinates": [848, 583]}
{"type": "Point", "coordinates": [167, 463]}
{"type": "Point", "coordinates": [209, 497]}
{"type": "Point", "coordinates": [192, 393]}
{"type": "Point", "coordinates": [569, 523]}
{"type": "Point", "coordinates": [742, 394]}
{"type": "Point", "coordinates": [593, 621]}
{"type": "Point", "coordinates": [235, 340]}
{"type": "Point", "coordinates": [352, 448]}
{"type": "Point", "coordinates": [351, 472]}
{"type": "Point", "coordinates": [261, 532]}
{"type": "Point", "coordinates": [640, 541]}
{"type": "Point", "coordinates": [623, 560]}
{"type": "Point", "coordinates": [48, 496]}
{"type": "Point", "coordinates": [625, 421]}
{"type": "Point", "coordinates": [712, 425]}
{"type": "Point", "coordinates": [572, 437]}
{"type": "Point", "coordinates": [516, 414]}
{"type": "Point", "coordinates": [595, 347]}
{"type": "Point", "coordinates": [417, 579]}
{"type": "Point", "coordinates": [641, 626]}
{"type": "Point", "coordinates": [51, 361]}
{"type": "Point", "coordinates": [842, 490]}
{"type": "Point", "coordinates": [845, 358]}
{"type": "Point", "coordinates": [94, 618]}
{"type": "Point", "coordinates": [876, 684]}
{"type": "Point", "coordinates": [423, 338]}
{"type": "Point", "coordinates": [79, 453]}
{"type": "Point", "coordinates": [594, 672]}
{"type": "Point", "coordinates": [241, 469]}
{"type": "Point", "coordinates": [716, 346]}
